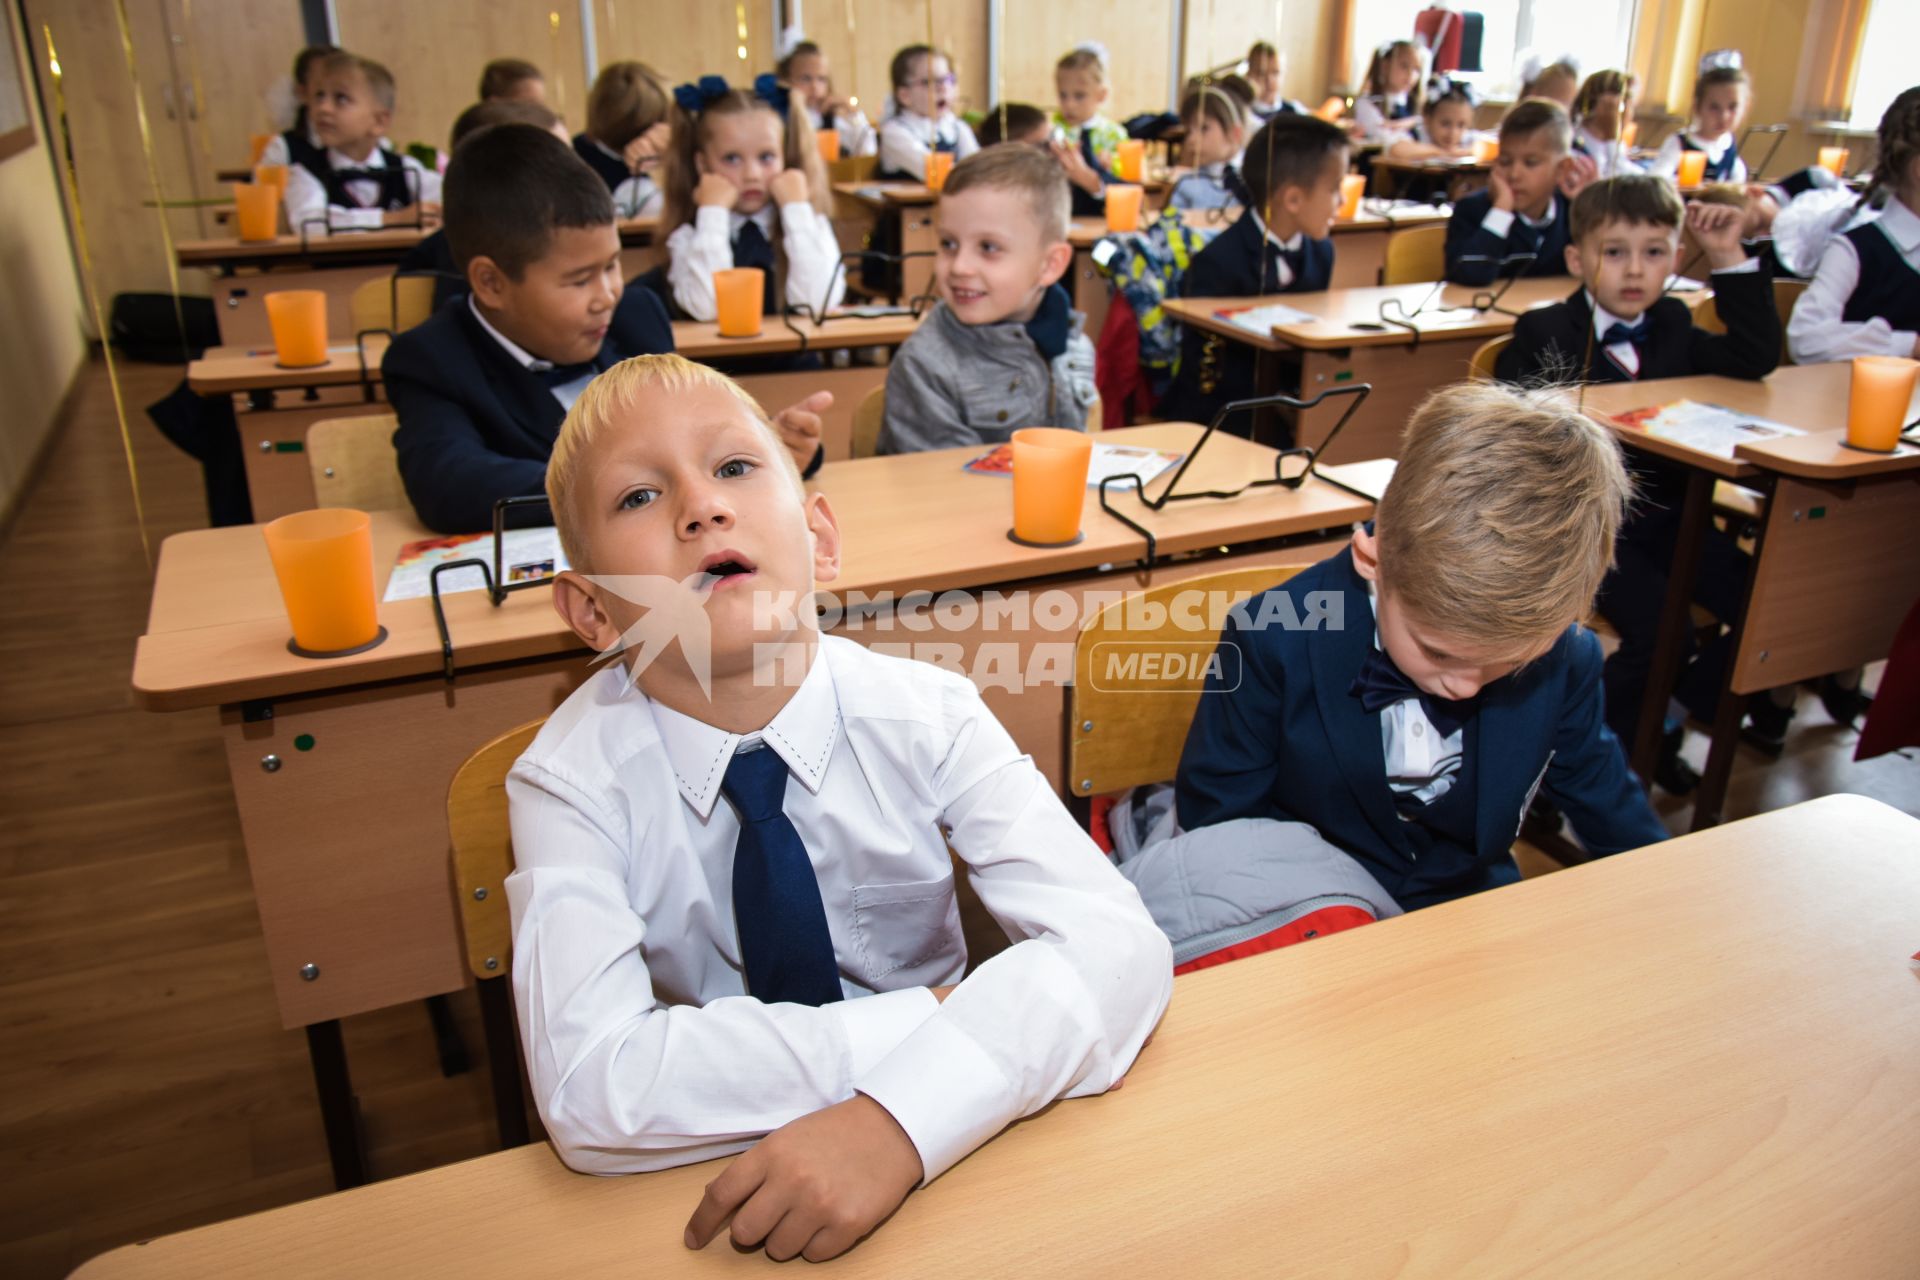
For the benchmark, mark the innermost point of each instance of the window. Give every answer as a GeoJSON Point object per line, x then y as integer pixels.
{"type": "Point", "coordinates": [1596, 32]}
{"type": "Point", "coordinates": [1885, 69]}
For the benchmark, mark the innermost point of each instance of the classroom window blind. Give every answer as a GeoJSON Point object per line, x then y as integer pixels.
{"type": "Point", "coordinates": [1886, 65]}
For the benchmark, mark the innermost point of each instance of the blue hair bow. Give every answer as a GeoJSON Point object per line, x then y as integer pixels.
{"type": "Point", "coordinates": [767, 88]}
{"type": "Point", "coordinates": [693, 98]}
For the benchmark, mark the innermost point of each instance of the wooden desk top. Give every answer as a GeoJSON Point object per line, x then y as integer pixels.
{"type": "Point", "coordinates": [241, 369]}
{"type": "Point", "coordinates": [217, 632]}
{"type": "Point", "coordinates": [1384, 216]}
{"type": "Point", "coordinates": [1337, 311]}
{"type": "Point", "coordinates": [390, 242]}
{"type": "Point", "coordinates": [1436, 164]}
{"type": "Point", "coordinates": [1810, 397]}
{"type": "Point", "coordinates": [1695, 1059]}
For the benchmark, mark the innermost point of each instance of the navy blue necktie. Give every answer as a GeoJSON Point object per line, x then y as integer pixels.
{"type": "Point", "coordinates": [785, 946]}
{"type": "Point", "coordinates": [751, 248]}
{"type": "Point", "coordinates": [1633, 333]}
{"type": "Point", "coordinates": [1381, 684]}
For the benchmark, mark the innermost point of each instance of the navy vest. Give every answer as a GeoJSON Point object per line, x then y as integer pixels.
{"type": "Point", "coordinates": [398, 188]}
{"type": "Point", "coordinates": [301, 151]}
{"type": "Point", "coordinates": [1720, 170]}
{"type": "Point", "coordinates": [1889, 287]}
{"type": "Point", "coordinates": [612, 170]}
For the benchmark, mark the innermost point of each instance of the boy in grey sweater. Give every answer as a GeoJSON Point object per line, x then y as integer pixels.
{"type": "Point", "coordinates": [1002, 349]}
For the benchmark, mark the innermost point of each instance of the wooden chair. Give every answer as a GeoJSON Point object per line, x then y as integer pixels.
{"type": "Point", "coordinates": [482, 859]}
{"type": "Point", "coordinates": [867, 421]}
{"type": "Point", "coordinates": [1416, 256]}
{"type": "Point", "coordinates": [1480, 368]}
{"type": "Point", "coordinates": [392, 302]}
{"type": "Point", "coordinates": [354, 465]}
{"type": "Point", "coordinates": [1126, 730]}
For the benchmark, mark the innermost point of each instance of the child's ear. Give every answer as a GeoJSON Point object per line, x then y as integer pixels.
{"type": "Point", "coordinates": [574, 600]}
{"type": "Point", "coordinates": [487, 280]}
{"type": "Point", "coordinates": [824, 531]}
{"type": "Point", "coordinates": [381, 119]}
{"type": "Point", "coordinates": [1293, 198]}
{"type": "Point", "coordinates": [1366, 554]}
{"type": "Point", "coordinates": [1059, 257]}
{"type": "Point", "coordinates": [1575, 267]}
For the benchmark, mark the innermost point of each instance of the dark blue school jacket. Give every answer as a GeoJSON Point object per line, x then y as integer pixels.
{"type": "Point", "coordinates": [1474, 253]}
{"type": "Point", "coordinates": [1290, 742]}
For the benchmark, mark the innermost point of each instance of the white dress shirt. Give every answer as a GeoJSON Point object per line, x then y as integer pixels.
{"type": "Point", "coordinates": [1666, 162]}
{"type": "Point", "coordinates": [1370, 115]}
{"type": "Point", "coordinates": [699, 248]}
{"type": "Point", "coordinates": [275, 152]}
{"type": "Point", "coordinates": [566, 393]}
{"type": "Point", "coordinates": [857, 134]}
{"type": "Point", "coordinates": [1816, 333]}
{"type": "Point", "coordinates": [1421, 761]}
{"type": "Point", "coordinates": [1291, 244]}
{"type": "Point", "coordinates": [306, 196]}
{"type": "Point", "coordinates": [645, 1051]}
{"type": "Point", "coordinates": [906, 139]}
{"type": "Point", "coordinates": [1612, 158]}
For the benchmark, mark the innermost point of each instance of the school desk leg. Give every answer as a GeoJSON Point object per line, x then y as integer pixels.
{"type": "Point", "coordinates": [446, 1037]}
{"type": "Point", "coordinates": [339, 1110]}
{"type": "Point", "coordinates": [1710, 797]}
{"type": "Point", "coordinates": [503, 1060]}
{"type": "Point", "coordinates": [1676, 620]}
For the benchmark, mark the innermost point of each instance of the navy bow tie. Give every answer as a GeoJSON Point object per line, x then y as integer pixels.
{"type": "Point", "coordinates": [1381, 684]}
{"type": "Point", "coordinates": [560, 375]}
{"type": "Point", "coordinates": [1633, 333]}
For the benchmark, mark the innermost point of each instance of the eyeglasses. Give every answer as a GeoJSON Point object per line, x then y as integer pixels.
{"type": "Point", "coordinates": [944, 82]}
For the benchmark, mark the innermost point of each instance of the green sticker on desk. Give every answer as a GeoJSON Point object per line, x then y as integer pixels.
{"type": "Point", "coordinates": [1345, 375]}
{"type": "Point", "coordinates": [303, 743]}
{"type": "Point", "coordinates": [290, 446]}
{"type": "Point", "coordinates": [1819, 513]}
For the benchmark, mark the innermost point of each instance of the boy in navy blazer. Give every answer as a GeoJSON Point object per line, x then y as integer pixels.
{"type": "Point", "coordinates": [1524, 210]}
{"type": "Point", "coordinates": [1618, 326]}
{"type": "Point", "coordinates": [482, 387]}
{"type": "Point", "coordinates": [1451, 678]}
{"type": "Point", "coordinates": [1292, 171]}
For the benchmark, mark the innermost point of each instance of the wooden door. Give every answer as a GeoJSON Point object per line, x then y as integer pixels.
{"type": "Point", "coordinates": [437, 51]}
{"type": "Point", "coordinates": [228, 53]}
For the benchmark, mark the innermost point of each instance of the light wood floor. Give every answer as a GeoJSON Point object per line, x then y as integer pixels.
{"type": "Point", "coordinates": [145, 1083]}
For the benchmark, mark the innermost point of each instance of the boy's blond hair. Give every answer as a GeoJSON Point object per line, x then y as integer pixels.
{"type": "Point", "coordinates": [379, 79]}
{"type": "Point", "coordinates": [604, 403]}
{"type": "Point", "coordinates": [1026, 171]}
{"type": "Point", "coordinates": [1085, 57]}
{"type": "Point", "coordinates": [1500, 520]}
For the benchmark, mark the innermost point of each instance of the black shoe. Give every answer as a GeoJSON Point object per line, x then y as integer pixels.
{"type": "Point", "coordinates": [1765, 729]}
{"type": "Point", "coordinates": [1843, 704]}
{"type": "Point", "coordinates": [1671, 773]}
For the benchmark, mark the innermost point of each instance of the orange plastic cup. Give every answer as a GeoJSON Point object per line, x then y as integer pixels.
{"type": "Point", "coordinates": [1834, 160]}
{"type": "Point", "coordinates": [1486, 150]}
{"type": "Point", "coordinates": [1049, 484]}
{"type": "Point", "coordinates": [324, 563]}
{"type": "Point", "coordinates": [1882, 393]}
{"type": "Point", "coordinates": [272, 175]}
{"type": "Point", "coordinates": [939, 165]}
{"type": "Point", "coordinates": [256, 210]}
{"type": "Point", "coordinates": [1693, 167]}
{"type": "Point", "coordinates": [1123, 206]}
{"type": "Point", "coordinates": [1629, 134]}
{"type": "Point", "coordinates": [257, 147]}
{"type": "Point", "coordinates": [1130, 159]}
{"type": "Point", "coordinates": [741, 294]}
{"type": "Point", "coordinates": [1352, 187]}
{"type": "Point", "coordinates": [829, 143]}
{"type": "Point", "coordinates": [299, 321]}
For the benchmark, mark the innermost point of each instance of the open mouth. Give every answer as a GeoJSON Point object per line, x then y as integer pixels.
{"type": "Point", "coordinates": [726, 567]}
{"type": "Point", "coordinates": [962, 297]}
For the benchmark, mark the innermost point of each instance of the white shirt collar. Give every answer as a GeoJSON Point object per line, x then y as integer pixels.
{"type": "Point", "coordinates": [607, 150]}
{"type": "Point", "coordinates": [341, 160]}
{"type": "Point", "coordinates": [528, 361]}
{"type": "Point", "coordinates": [1553, 210]}
{"type": "Point", "coordinates": [1902, 226]}
{"type": "Point", "coordinates": [802, 734]}
{"type": "Point", "coordinates": [1290, 245]}
{"type": "Point", "coordinates": [767, 216]}
{"type": "Point", "coordinates": [1604, 319]}
{"type": "Point", "coordinates": [1713, 148]}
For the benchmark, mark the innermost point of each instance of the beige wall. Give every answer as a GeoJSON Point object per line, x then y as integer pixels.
{"type": "Point", "coordinates": [41, 347]}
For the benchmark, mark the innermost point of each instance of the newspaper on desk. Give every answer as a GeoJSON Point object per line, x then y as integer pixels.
{"type": "Point", "coordinates": [525, 556]}
{"type": "Point", "coordinates": [1710, 428]}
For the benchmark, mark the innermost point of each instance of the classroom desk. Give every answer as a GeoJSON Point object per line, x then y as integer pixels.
{"type": "Point", "coordinates": [1831, 578]}
{"type": "Point", "coordinates": [1464, 177]}
{"type": "Point", "coordinates": [1583, 1074]}
{"type": "Point", "coordinates": [360, 890]}
{"type": "Point", "coordinates": [335, 264]}
{"type": "Point", "coordinates": [1332, 350]}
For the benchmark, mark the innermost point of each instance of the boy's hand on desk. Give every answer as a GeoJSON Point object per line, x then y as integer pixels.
{"type": "Point", "coordinates": [715, 190]}
{"type": "Point", "coordinates": [799, 426]}
{"type": "Point", "coordinates": [644, 151]}
{"type": "Point", "coordinates": [789, 186]}
{"type": "Point", "coordinates": [814, 1187]}
{"type": "Point", "coordinates": [1716, 228]}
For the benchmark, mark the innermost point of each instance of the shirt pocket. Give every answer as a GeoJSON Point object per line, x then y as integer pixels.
{"type": "Point", "coordinates": [907, 934]}
{"type": "Point", "coordinates": [998, 400]}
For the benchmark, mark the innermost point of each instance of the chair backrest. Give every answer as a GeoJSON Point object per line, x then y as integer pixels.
{"type": "Point", "coordinates": [1786, 293]}
{"type": "Point", "coordinates": [483, 850]}
{"type": "Point", "coordinates": [1135, 687]}
{"type": "Point", "coordinates": [392, 302]}
{"type": "Point", "coordinates": [354, 465]}
{"type": "Point", "coordinates": [1416, 256]}
{"type": "Point", "coordinates": [1480, 369]}
{"type": "Point", "coordinates": [867, 421]}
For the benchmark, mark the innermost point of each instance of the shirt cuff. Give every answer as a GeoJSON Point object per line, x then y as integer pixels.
{"type": "Point", "coordinates": [946, 1093]}
{"type": "Point", "coordinates": [876, 1025]}
{"type": "Point", "coordinates": [1498, 221]}
{"type": "Point", "coordinates": [1739, 269]}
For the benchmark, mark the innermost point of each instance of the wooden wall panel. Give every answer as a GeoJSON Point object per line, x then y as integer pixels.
{"type": "Point", "coordinates": [859, 59]}
{"type": "Point", "coordinates": [1219, 31]}
{"type": "Point", "coordinates": [240, 49]}
{"type": "Point", "coordinates": [436, 52]}
{"type": "Point", "coordinates": [1138, 63]}
{"type": "Point", "coordinates": [686, 39]}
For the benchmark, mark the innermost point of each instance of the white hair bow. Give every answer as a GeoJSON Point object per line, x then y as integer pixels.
{"type": "Point", "coordinates": [1718, 58]}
